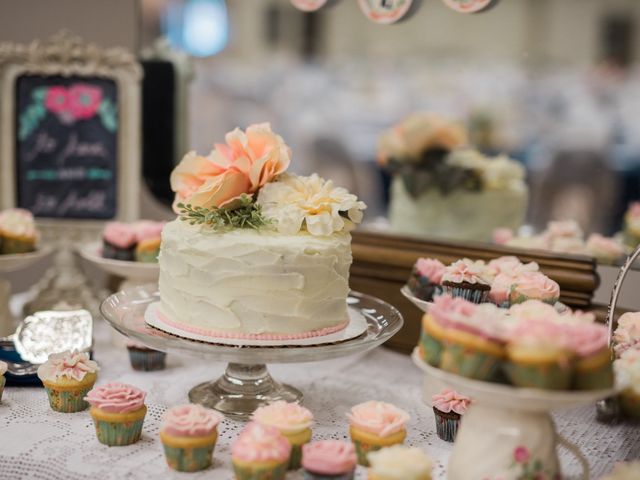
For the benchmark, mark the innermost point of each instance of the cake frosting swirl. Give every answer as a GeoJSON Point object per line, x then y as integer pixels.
{"type": "Point", "coordinates": [260, 443]}
{"type": "Point", "coordinates": [449, 400]}
{"type": "Point", "coordinates": [431, 268]}
{"type": "Point", "coordinates": [190, 420]}
{"type": "Point", "coordinates": [534, 285]}
{"type": "Point", "coordinates": [329, 457]}
{"type": "Point", "coordinates": [116, 397]}
{"type": "Point", "coordinates": [465, 271]}
{"type": "Point", "coordinates": [71, 365]}
{"type": "Point", "coordinates": [289, 418]}
{"type": "Point", "coordinates": [380, 418]}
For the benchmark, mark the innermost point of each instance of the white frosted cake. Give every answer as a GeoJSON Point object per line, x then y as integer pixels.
{"type": "Point", "coordinates": [255, 252]}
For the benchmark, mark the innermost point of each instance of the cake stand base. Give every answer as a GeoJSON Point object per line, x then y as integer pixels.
{"type": "Point", "coordinates": [241, 390]}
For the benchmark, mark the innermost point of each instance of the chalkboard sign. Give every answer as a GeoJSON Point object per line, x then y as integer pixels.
{"type": "Point", "coordinates": [66, 150]}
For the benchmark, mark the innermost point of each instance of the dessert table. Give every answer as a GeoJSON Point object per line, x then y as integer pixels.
{"type": "Point", "coordinates": [36, 442]}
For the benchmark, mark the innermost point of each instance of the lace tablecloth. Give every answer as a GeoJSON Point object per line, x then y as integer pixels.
{"type": "Point", "coordinates": [37, 443]}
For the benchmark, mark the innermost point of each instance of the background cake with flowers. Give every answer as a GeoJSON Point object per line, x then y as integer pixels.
{"type": "Point", "coordinates": [256, 252]}
{"type": "Point", "coordinates": [440, 187]}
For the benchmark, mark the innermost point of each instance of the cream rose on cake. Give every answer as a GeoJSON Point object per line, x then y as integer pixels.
{"type": "Point", "coordinates": [256, 252]}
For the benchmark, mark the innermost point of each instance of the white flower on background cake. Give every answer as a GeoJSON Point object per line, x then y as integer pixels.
{"type": "Point", "coordinates": [295, 202]}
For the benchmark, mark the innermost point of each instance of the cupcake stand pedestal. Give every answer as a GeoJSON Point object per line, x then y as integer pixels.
{"type": "Point", "coordinates": [246, 384]}
{"type": "Point", "coordinates": [507, 432]}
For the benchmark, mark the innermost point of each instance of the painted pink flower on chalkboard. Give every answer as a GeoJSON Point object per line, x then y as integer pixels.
{"type": "Point", "coordinates": [84, 100]}
{"type": "Point", "coordinates": [57, 99]}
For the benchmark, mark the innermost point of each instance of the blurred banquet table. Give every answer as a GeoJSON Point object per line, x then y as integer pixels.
{"type": "Point", "coordinates": [37, 443]}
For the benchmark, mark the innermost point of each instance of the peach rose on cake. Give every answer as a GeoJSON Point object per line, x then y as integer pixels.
{"type": "Point", "coordinates": [245, 163]}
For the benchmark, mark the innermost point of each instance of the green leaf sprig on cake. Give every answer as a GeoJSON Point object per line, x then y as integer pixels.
{"type": "Point", "coordinates": [429, 152]}
{"type": "Point", "coordinates": [243, 184]}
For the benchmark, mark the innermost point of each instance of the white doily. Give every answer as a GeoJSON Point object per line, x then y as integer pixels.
{"type": "Point", "coordinates": [37, 443]}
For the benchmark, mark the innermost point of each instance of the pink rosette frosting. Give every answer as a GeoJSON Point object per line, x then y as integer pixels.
{"type": "Point", "coordinates": [380, 418]}
{"type": "Point", "coordinates": [587, 338]}
{"type": "Point", "coordinates": [602, 247]}
{"type": "Point", "coordinates": [329, 457]}
{"type": "Point", "coordinates": [449, 400]}
{"type": "Point", "coordinates": [3, 367]}
{"type": "Point", "coordinates": [147, 230]}
{"type": "Point", "coordinates": [72, 365]}
{"type": "Point", "coordinates": [120, 234]}
{"type": "Point", "coordinates": [116, 397]}
{"type": "Point", "coordinates": [286, 417]}
{"type": "Point", "coordinates": [536, 285]}
{"type": "Point", "coordinates": [510, 265]}
{"type": "Point", "coordinates": [190, 420]}
{"type": "Point", "coordinates": [465, 270]}
{"type": "Point", "coordinates": [260, 443]}
{"type": "Point", "coordinates": [501, 288]}
{"type": "Point", "coordinates": [431, 268]}
{"type": "Point", "coordinates": [533, 310]}
{"type": "Point", "coordinates": [541, 333]}
{"type": "Point", "coordinates": [447, 309]}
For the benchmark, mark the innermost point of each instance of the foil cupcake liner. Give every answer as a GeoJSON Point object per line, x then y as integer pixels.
{"type": "Point", "coordinates": [146, 360]}
{"type": "Point", "coordinates": [470, 294]}
{"type": "Point", "coordinates": [446, 425]}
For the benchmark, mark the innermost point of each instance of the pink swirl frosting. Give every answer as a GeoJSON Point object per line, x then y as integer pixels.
{"type": "Point", "coordinates": [541, 333]}
{"type": "Point", "coordinates": [510, 265]}
{"type": "Point", "coordinates": [587, 338]}
{"type": "Point", "coordinates": [286, 417]}
{"type": "Point", "coordinates": [431, 268]}
{"type": "Point", "coordinates": [190, 420]}
{"type": "Point", "coordinates": [501, 288]}
{"type": "Point", "coordinates": [465, 270]}
{"type": "Point", "coordinates": [329, 457]}
{"type": "Point", "coordinates": [449, 400]}
{"type": "Point", "coordinates": [72, 365]}
{"type": "Point", "coordinates": [260, 443]}
{"type": "Point", "coordinates": [116, 397]}
{"type": "Point", "coordinates": [601, 246]}
{"type": "Point", "coordinates": [447, 309]}
{"type": "Point", "coordinates": [119, 234]}
{"type": "Point", "coordinates": [380, 418]}
{"type": "Point", "coordinates": [147, 230]}
{"type": "Point", "coordinates": [536, 285]}
{"type": "Point", "coordinates": [533, 310]}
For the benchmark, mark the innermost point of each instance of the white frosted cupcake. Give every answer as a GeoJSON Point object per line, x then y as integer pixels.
{"type": "Point", "coordinates": [18, 233]}
{"type": "Point", "coordinates": [399, 463]}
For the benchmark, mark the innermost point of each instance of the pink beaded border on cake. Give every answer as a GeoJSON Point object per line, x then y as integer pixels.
{"type": "Point", "coordinates": [252, 336]}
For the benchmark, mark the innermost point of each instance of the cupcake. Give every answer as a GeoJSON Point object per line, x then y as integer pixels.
{"type": "Point", "coordinates": [631, 229]}
{"type": "Point", "coordinates": [627, 369]}
{"type": "Point", "coordinates": [260, 452]}
{"type": "Point", "coordinates": [145, 359]}
{"type": "Point", "coordinates": [148, 241]}
{"type": "Point", "coordinates": [593, 369]}
{"type": "Point", "coordinates": [448, 407]}
{"type": "Point", "coordinates": [18, 232]}
{"type": "Point", "coordinates": [329, 460]}
{"type": "Point", "coordinates": [188, 435]}
{"type": "Point", "coordinates": [67, 377]}
{"type": "Point", "coordinates": [474, 342]}
{"type": "Point", "coordinates": [425, 278]}
{"type": "Point", "coordinates": [3, 380]}
{"type": "Point", "coordinates": [465, 279]}
{"type": "Point", "coordinates": [119, 241]}
{"type": "Point", "coordinates": [627, 333]}
{"type": "Point", "coordinates": [400, 463]}
{"type": "Point", "coordinates": [374, 425]}
{"type": "Point", "coordinates": [605, 250]}
{"type": "Point", "coordinates": [534, 286]}
{"type": "Point", "coordinates": [539, 355]}
{"type": "Point", "coordinates": [434, 326]}
{"type": "Point", "coordinates": [624, 471]}
{"type": "Point", "coordinates": [118, 411]}
{"type": "Point", "coordinates": [293, 421]}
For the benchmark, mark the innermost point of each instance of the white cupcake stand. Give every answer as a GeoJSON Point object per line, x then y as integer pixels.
{"type": "Point", "coordinates": [246, 384]}
{"type": "Point", "coordinates": [507, 432]}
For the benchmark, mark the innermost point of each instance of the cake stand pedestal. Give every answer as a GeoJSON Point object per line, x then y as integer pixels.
{"type": "Point", "coordinates": [13, 263]}
{"type": "Point", "coordinates": [508, 432]}
{"type": "Point", "coordinates": [246, 384]}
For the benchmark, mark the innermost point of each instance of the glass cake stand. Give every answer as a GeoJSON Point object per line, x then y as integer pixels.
{"type": "Point", "coordinates": [246, 383]}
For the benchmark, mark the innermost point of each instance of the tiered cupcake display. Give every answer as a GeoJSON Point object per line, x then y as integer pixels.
{"type": "Point", "coordinates": [504, 281]}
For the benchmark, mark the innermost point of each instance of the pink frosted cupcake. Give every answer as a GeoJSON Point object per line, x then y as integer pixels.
{"type": "Point", "coordinates": [605, 250]}
{"type": "Point", "coordinates": [534, 286]}
{"type": "Point", "coordinates": [627, 333]}
{"type": "Point", "coordinates": [260, 452]}
{"type": "Point", "coordinates": [426, 277]}
{"type": "Point", "coordinates": [590, 343]}
{"type": "Point", "coordinates": [329, 460]}
{"type": "Point", "coordinates": [188, 435]}
{"type": "Point", "coordinates": [467, 279]}
{"type": "Point", "coordinates": [145, 359]}
{"type": "Point", "coordinates": [374, 425]}
{"type": "Point", "coordinates": [119, 241]}
{"type": "Point", "coordinates": [118, 412]}
{"type": "Point", "coordinates": [448, 407]}
{"type": "Point", "coordinates": [293, 421]}
{"type": "Point", "coordinates": [148, 236]}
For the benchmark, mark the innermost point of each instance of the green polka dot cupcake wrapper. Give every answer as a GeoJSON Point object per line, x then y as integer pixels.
{"type": "Point", "coordinates": [431, 349]}
{"type": "Point", "coordinates": [469, 363]}
{"type": "Point", "coordinates": [189, 459]}
{"type": "Point", "coordinates": [362, 450]}
{"type": "Point", "coordinates": [118, 433]}
{"type": "Point", "coordinates": [68, 401]}
{"type": "Point", "coordinates": [278, 472]}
